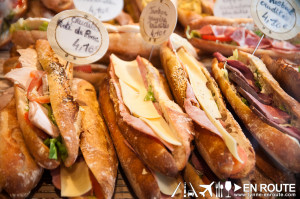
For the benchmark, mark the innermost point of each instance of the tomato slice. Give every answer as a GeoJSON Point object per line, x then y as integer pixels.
{"type": "Point", "coordinates": [238, 166]}
{"type": "Point", "coordinates": [33, 93]}
{"type": "Point", "coordinates": [214, 38]}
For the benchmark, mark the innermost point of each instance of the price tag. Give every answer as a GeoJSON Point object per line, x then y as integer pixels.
{"type": "Point", "coordinates": [233, 8]}
{"type": "Point", "coordinates": [104, 10]}
{"type": "Point", "coordinates": [158, 21]}
{"type": "Point", "coordinates": [278, 19]}
{"type": "Point", "coordinates": [77, 36]}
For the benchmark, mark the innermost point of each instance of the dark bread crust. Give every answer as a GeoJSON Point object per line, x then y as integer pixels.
{"type": "Point", "coordinates": [209, 47]}
{"type": "Point", "coordinates": [210, 145]}
{"type": "Point", "coordinates": [286, 75]}
{"type": "Point", "coordinates": [36, 147]}
{"type": "Point", "coordinates": [153, 153]}
{"type": "Point", "coordinates": [19, 173]}
{"type": "Point", "coordinates": [282, 147]}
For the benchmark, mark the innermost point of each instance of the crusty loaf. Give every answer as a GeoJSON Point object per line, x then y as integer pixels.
{"type": "Point", "coordinates": [95, 143]}
{"type": "Point", "coordinates": [19, 173]}
{"type": "Point", "coordinates": [282, 147]}
{"type": "Point", "coordinates": [286, 75]}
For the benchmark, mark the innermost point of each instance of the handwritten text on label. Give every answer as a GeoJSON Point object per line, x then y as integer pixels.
{"type": "Point", "coordinates": [277, 15]}
{"type": "Point", "coordinates": [77, 36]}
{"type": "Point", "coordinates": [233, 8]}
{"type": "Point", "coordinates": [85, 39]}
{"type": "Point", "coordinates": [158, 21]}
{"type": "Point", "coordinates": [104, 10]}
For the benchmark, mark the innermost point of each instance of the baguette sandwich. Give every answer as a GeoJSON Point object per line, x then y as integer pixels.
{"type": "Point", "coordinates": [156, 134]}
{"type": "Point", "coordinates": [94, 173]}
{"type": "Point", "coordinates": [271, 115]}
{"type": "Point", "coordinates": [48, 116]}
{"type": "Point", "coordinates": [218, 137]}
{"type": "Point", "coordinates": [144, 182]}
{"type": "Point", "coordinates": [225, 38]}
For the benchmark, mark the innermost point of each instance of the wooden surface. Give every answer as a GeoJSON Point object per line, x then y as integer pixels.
{"type": "Point", "coordinates": [45, 189]}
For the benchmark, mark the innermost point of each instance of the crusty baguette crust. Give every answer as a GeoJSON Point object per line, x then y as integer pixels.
{"type": "Point", "coordinates": [209, 47]}
{"type": "Point", "coordinates": [31, 37]}
{"type": "Point", "coordinates": [208, 20]}
{"type": "Point", "coordinates": [190, 175]}
{"type": "Point", "coordinates": [271, 86]}
{"type": "Point", "coordinates": [19, 173]}
{"type": "Point", "coordinates": [210, 145]}
{"type": "Point", "coordinates": [281, 146]}
{"type": "Point", "coordinates": [152, 152]}
{"type": "Point", "coordinates": [65, 110]}
{"type": "Point", "coordinates": [95, 143]}
{"type": "Point", "coordinates": [58, 5]}
{"type": "Point", "coordinates": [145, 185]}
{"type": "Point", "coordinates": [185, 17]}
{"type": "Point", "coordinates": [36, 147]}
{"type": "Point", "coordinates": [287, 76]}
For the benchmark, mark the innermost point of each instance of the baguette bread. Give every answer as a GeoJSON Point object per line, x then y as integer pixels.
{"type": "Point", "coordinates": [286, 74]}
{"type": "Point", "coordinates": [210, 145]}
{"type": "Point", "coordinates": [65, 110]}
{"type": "Point", "coordinates": [19, 173]}
{"type": "Point", "coordinates": [95, 142]}
{"type": "Point", "coordinates": [139, 176]}
{"type": "Point", "coordinates": [282, 147]}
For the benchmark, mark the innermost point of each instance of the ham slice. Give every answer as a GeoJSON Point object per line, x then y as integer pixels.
{"type": "Point", "coordinates": [21, 76]}
{"type": "Point", "coordinates": [239, 36]}
{"type": "Point", "coordinates": [274, 114]}
{"type": "Point", "coordinates": [217, 31]}
{"type": "Point", "coordinates": [252, 40]}
{"type": "Point", "coordinates": [38, 116]}
{"type": "Point", "coordinates": [197, 115]}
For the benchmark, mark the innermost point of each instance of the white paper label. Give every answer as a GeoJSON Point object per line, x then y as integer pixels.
{"type": "Point", "coordinates": [158, 21]}
{"type": "Point", "coordinates": [233, 8]}
{"type": "Point", "coordinates": [77, 36]}
{"type": "Point", "coordinates": [278, 19]}
{"type": "Point", "coordinates": [104, 10]}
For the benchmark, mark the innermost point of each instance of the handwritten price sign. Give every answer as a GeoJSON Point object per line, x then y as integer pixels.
{"type": "Point", "coordinates": [279, 19]}
{"type": "Point", "coordinates": [104, 10]}
{"type": "Point", "coordinates": [158, 21]}
{"type": "Point", "coordinates": [232, 8]}
{"type": "Point", "coordinates": [77, 36]}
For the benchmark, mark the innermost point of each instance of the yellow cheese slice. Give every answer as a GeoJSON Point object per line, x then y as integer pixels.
{"type": "Point", "coordinates": [167, 185]}
{"type": "Point", "coordinates": [198, 83]}
{"type": "Point", "coordinates": [128, 72]}
{"type": "Point", "coordinates": [162, 129]}
{"type": "Point", "coordinates": [135, 102]}
{"type": "Point", "coordinates": [75, 181]}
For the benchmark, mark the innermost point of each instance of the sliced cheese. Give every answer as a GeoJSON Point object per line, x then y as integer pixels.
{"type": "Point", "coordinates": [198, 83]}
{"type": "Point", "coordinates": [167, 185]}
{"type": "Point", "coordinates": [128, 72]}
{"type": "Point", "coordinates": [75, 181]}
{"type": "Point", "coordinates": [135, 102]}
{"type": "Point", "coordinates": [162, 129]}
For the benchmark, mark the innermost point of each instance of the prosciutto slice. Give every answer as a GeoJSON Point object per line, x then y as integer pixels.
{"type": "Point", "coordinates": [283, 45]}
{"type": "Point", "coordinates": [274, 114]}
